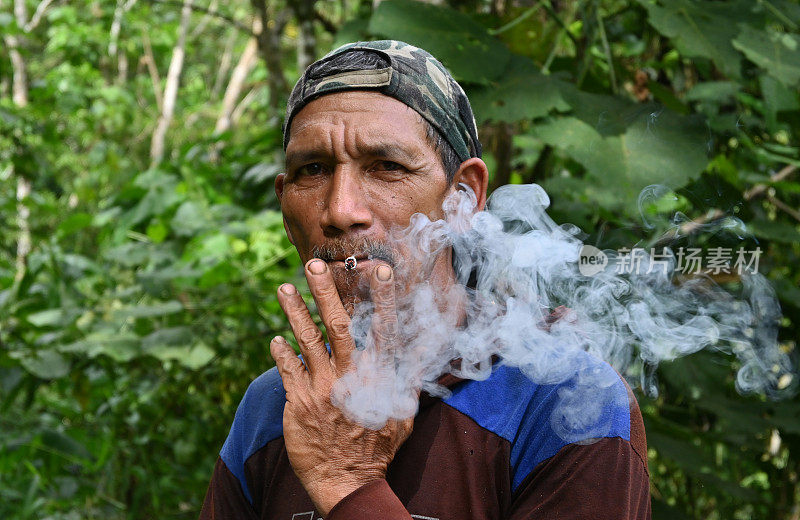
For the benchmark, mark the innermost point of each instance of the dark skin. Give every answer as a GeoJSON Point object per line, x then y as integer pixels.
{"type": "Point", "coordinates": [357, 164]}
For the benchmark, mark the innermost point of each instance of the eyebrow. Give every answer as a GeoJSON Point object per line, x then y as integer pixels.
{"type": "Point", "coordinates": [389, 150]}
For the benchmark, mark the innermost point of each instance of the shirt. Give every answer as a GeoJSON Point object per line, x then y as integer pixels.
{"type": "Point", "coordinates": [494, 449]}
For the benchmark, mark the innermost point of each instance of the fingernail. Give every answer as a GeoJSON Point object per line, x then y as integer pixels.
{"type": "Point", "coordinates": [384, 273]}
{"type": "Point", "coordinates": [288, 288]}
{"type": "Point", "coordinates": [317, 267]}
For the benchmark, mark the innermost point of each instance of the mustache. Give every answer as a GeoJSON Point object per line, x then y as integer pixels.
{"type": "Point", "coordinates": [339, 248]}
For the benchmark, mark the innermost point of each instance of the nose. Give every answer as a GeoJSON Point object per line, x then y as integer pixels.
{"type": "Point", "coordinates": [346, 209]}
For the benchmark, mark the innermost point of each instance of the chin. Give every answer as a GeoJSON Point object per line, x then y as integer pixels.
{"type": "Point", "coordinates": [352, 286]}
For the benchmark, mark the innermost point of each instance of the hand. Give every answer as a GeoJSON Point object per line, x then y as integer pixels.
{"type": "Point", "coordinates": [331, 455]}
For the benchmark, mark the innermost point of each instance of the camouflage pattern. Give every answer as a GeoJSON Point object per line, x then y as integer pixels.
{"type": "Point", "coordinates": [412, 76]}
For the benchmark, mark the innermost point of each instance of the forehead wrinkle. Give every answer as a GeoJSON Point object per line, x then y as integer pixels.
{"type": "Point", "coordinates": [392, 130]}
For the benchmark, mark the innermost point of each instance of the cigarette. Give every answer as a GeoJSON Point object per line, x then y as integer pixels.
{"type": "Point", "coordinates": [350, 263]}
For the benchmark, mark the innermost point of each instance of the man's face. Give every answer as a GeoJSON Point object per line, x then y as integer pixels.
{"type": "Point", "coordinates": [358, 164]}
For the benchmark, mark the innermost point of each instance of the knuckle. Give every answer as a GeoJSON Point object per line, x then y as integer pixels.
{"type": "Point", "coordinates": [384, 336]}
{"type": "Point", "coordinates": [339, 328]}
{"type": "Point", "coordinates": [387, 326]}
{"type": "Point", "coordinates": [309, 335]}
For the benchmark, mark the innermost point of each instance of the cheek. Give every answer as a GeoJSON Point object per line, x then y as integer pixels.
{"type": "Point", "coordinates": [396, 203]}
{"type": "Point", "coordinates": [300, 218]}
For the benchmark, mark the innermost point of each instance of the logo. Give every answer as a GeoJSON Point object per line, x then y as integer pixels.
{"type": "Point", "coordinates": [591, 260]}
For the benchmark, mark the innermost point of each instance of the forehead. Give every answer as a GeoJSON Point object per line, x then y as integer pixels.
{"type": "Point", "coordinates": [358, 116]}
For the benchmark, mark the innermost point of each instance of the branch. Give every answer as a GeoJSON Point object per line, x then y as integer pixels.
{"type": "Point", "coordinates": [269, 43]}
{"type": "Point", "coordinates": [758, 189]}
{"type": "Point", "coordinates": [224, 66]}
{"type": "Point", "coordinates": [116, 25]}
{"type": "Point", "coordinates": [236, 83]}
{"type": "Point", "coordinates": [328, 25]}
{"type": "Point", "coordinates": [691, 226]}
{"type": "Point", "coordinates": [785, 207]}
{"type": "Point", "coordinates": [37, 15]}
{"type": "Point", "coordinates": [155, 78]}
{"type": "Point", "coordinates": [200, 27]}
{"type": "Point", "coordinates": [210, 12]}
{"type": "Point", "coordinates": [171, 88]}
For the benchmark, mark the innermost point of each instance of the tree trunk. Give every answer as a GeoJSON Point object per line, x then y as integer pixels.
{"type": "Point", "coordinates": [24, 240]}
{"type": "Point", "coordinates": [19, 88]}
{"type": "Point", "coordinates": [306, 41]}
{"type": "Point", "coordinates": [19, 96]}
{"type": "Point", "coordinates": [224, 66]}
{"type": "Point", "coordinates": [269, 43]}
{"type": "Point", "coordinates": [171, 87]}
{"type": "Point", "coordinates": [502, 148]}
{"type": "Point", "coordinates": [236, 83]}
{"type": "Point", "coordinates": [123, 6]}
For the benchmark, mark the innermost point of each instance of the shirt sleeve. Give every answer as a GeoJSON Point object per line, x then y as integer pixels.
{"type": "Point", "coordinates": [604, 480]}
{"type": "Point", "coordinates": [225, 498]}
{"type": "Point", "coordinates": [373, 500]}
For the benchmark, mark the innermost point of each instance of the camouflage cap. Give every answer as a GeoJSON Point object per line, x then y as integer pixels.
{"type": "Point", "coordinates": [406, 73]}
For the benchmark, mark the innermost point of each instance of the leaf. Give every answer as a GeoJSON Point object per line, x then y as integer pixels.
{"type": "Point", "coordinates": [75, 223]}
{"type": "Point", "coordinates": [351, 31]}
{"type": "Point", "coordinates": [788, 292]}
{"type": "Point", "coordinates": [460, 43]}
{"type": "Point", "coordinates": [777, 231]}
{"type": "Point", "coordinates": [521, 93]}
{"type": "Point", "coordinates": [119, 346]}
{"type": "Point", "coordinates": [47, 318]}
{"type": "Point", "coordinates": [702, 29]}
{"type": "Point", "coordinates": [715, 91]}
{"type": "Point", "coordinates": [199, 356]}
{"type": "Point", "coordinates": [193, 357]}
{"type": "Point", "coordinates": [149, 311]}
{"type": "Point", "coordinates": [777, 96]}
{"type": "Point", "coordinates": [261, 172]}
{"type": "Point", "coordinates": [63, 443]}
{"type": "Point", "coordinates": [188, 220]}
{"type": "Point", "coordinates": [47, 364]}
{"type": "Point", "coordinates": [620, 166]}
{"type": "Point", "coordinates": [168, 336]}
{"type": "Point", "coordinates": [777, 53]}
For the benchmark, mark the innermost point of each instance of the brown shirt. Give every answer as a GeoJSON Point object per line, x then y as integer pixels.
{"type": "Point", "coordinates": [503, 448]}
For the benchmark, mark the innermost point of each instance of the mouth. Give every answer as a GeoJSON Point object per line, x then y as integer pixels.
{"type": "Point", "coordinates": [357, 261]}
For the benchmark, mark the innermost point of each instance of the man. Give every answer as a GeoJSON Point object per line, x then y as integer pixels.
{"type": "Point", "coordinates": [376, 132]}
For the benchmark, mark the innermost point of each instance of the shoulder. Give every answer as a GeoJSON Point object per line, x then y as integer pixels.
{"type": "Point", "coordinates": [258, 420]}
{"type": "Point", "coordinates": [540, 418]}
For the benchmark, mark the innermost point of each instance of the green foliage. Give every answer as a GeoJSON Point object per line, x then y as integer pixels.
{"type": "Point", "coordinates": [146, 302]}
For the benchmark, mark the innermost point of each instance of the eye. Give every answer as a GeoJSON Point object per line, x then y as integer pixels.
{"type": "Point", "coordinates": [310, 170]}
{"type": "Point", "coordinates": [388, 166]}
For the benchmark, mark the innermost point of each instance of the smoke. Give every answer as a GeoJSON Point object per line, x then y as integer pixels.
{"type": "Point", "coordinates": [522, 299]}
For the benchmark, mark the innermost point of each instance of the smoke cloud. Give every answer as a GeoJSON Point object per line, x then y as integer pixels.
{"type": "Point", "coordinates": [528, 305]}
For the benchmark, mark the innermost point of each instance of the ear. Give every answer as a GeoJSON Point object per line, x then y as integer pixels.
{"type": "Point", "coordinates": [473, 173]}
{"type": "Point", "coordinates": [279, 180]}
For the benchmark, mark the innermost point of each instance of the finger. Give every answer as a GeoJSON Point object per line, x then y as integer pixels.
{"type": "Point", "coordinates": [289, 365]}
{"type": "Point", "coordinates": [384, 326]}
{"type": "Point", "coordinates": [308, 335]}
{"type": "Point", "coordinates": [332, 312]}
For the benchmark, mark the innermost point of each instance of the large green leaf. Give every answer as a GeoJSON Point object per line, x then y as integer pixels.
{"type": "Point", "coordinates": [192, 357]}
{"type": "Point", "coordinates": [47, 364]}
{"type": "Point", "coordinates": [522, 92]}
{"type": "Point", "coordinates": [47, 318]}
{"type": "Point", "coordinates": [460, 43]}
{"type": "Point", "coordinates": [777, 53]}
{"type": "Point", "coordinates": [702, 29]}
{"type": "Point", "coordinates": [119, 346]}
{"type": "Point", "coordinates": [775, 231]}
{"type": "Point", "coordinates": [149, 311]}
{"type": "Point", "coordinates": [658, 147]}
